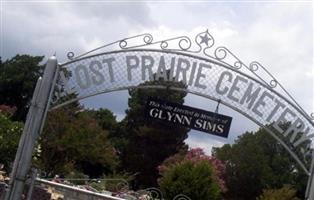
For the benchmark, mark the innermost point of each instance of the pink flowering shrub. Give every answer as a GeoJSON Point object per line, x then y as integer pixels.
{"type": "Point", "coordinates": [193, 163]}
{"type": "Point", "coordinates": [7, 110]}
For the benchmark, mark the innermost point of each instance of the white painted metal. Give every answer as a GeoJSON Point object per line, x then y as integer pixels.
{"type": "Point", "coordinates": [309, 193]}
{"type": "Point", "coordinates": [35, 119]}
{"type": "Point", "coordinates": [68, 187]}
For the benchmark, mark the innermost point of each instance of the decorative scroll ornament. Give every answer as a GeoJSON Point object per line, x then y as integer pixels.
{"type": "Point", "coordinates": [155, 193]}
{"type": "Point", "coordinates": [221, 54]}
{"type": "Point", "coordinates": [181, 197]}
{"type": "Point", "coordinates": [207, 69]}
{"type": "Point", "coordinates": [71, 55]}
{"type": "Point", "coordinates": [204, 42]}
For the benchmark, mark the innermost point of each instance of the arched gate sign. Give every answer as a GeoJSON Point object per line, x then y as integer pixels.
{"type": "Point", "coordinates": [207, 71]}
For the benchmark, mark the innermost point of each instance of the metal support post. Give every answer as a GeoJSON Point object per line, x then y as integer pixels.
{"type": "Point", "coordinates": [309, 194]}
{"type": "Point", "coordinates": [32, 184]}
{"type": "Point", "coordinates": [34, 122]}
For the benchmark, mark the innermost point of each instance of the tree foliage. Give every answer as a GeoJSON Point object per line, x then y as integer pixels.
{"type": "Point", "coordinates": [89, 142]}
{"type": "Point", "coordinates": [10, 133]}
{"type": "Point", "coordinates": [150, 142]}
{"type": "Point", "coordinates": [74, 141]}
{"type": "Point", "coordinates": [192, 174]}
{"type": "Point", "coordinates": [105, 118]}
{"type": "Point", "coordinates": [18, 77]}
{"type": "Point", "coordinates": [256, 161]}
{"type": "Point", "coordinates": [284, 193]}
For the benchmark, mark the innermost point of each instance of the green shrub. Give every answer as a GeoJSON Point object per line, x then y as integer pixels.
{"type": "Point", "coordinates": [77, 178]}
{"type": "Point", "coordinates": [10, 133]}
{"type": "Point", "coordinates": [193, 179]}
{"type": "Point", "coordinates": [284, 193]}
{"type": "Point", "coordinates": [114, 182]}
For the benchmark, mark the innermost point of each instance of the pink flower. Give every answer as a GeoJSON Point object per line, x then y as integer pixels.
{"type": "Point", "coordinates": [196, 155]}
{"type": "Point", "coordinates": [10, 110]}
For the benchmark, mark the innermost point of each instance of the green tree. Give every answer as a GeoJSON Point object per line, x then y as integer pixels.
{"type": "Point", "coordinates": [194, 174]}
{"type": "Point", "coordinates": [106, 118]}
{"type": "Point", "coordinates": [10, 133]}
{"type": "Point", "coordinates": [116, 131]}
{"type": "Point", "coordinates": [150, 142]}
{"type": "Point", "coordinates": [74, 141]}
{"type": "Point", "coordinates": [18, 77]}
{"type": "Point", "coordinates": [193, 179]}
{"type": "Point", "coordinates": [256, 161]}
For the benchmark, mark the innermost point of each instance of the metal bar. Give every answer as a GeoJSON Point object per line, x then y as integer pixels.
{"type": "Point", "coordinates": [49, 98]}
{"type": "Point", "coordinates": [311, 189]}
{"type": "Point", "coordinates": [31, 131]}
{"type": "Point", "coordinates": [32, 184]}
{"type": "Point", "coordinates": [148, 41]}
{"type": "Point", "coordinates": [209, 59]}
{"type": "Point", "coordinates": [54, 184]}
{"type": "Point", "coordinates": [295, 157]}
{"type": "Point", "coordinates": [309, 193]}
{"type": "Point", "coordinates": [22, 140]}
{"type": "Point", "coordinates": [309, 179]}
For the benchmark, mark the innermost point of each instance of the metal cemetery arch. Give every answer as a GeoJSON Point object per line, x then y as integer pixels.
{"type": "Point", "coordinates": [213, 73]}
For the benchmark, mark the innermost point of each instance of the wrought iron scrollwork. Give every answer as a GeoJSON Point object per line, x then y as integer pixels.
{"type": "Point", "coordinates": [273, 83]}
{"type": "Point", "coordinates": [312, 116]}
{"type": "Point", "coordinates": [123, 44]}
{"type": "Point", "coordinates": [187, 41]}
{"type": "Point", "coordinates": [204, 42]}
{"type": "Point", "coordinates": [164, 45]}
{"type": "Point", "coordinates": [181, 197]}
{"type": "Point", "coordinates": [154, 193]}
{"type": "Point", "coordinates": [184, 43]}
{"type": "Point", "coordinates": [205, 38]}
{"type": "Point", "coordinates": [255, 66]}
{"type": "Point", "coordinates": [146, 39]}
{"type": "Point", "coordinates": [221, 53]}
{"type": "Point", "coordinates": [70, 55]}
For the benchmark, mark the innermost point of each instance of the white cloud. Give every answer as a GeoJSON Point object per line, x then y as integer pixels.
{"type": "Point", "coordinates": [206, 142]}
{"type": "Point", "coordinates": [279, 35]}
{"type": "Point", "coordinates": [43, 28]}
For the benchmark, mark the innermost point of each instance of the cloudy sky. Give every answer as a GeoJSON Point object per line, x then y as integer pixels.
{"type": "Point", "coordinates": [278, 34]}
